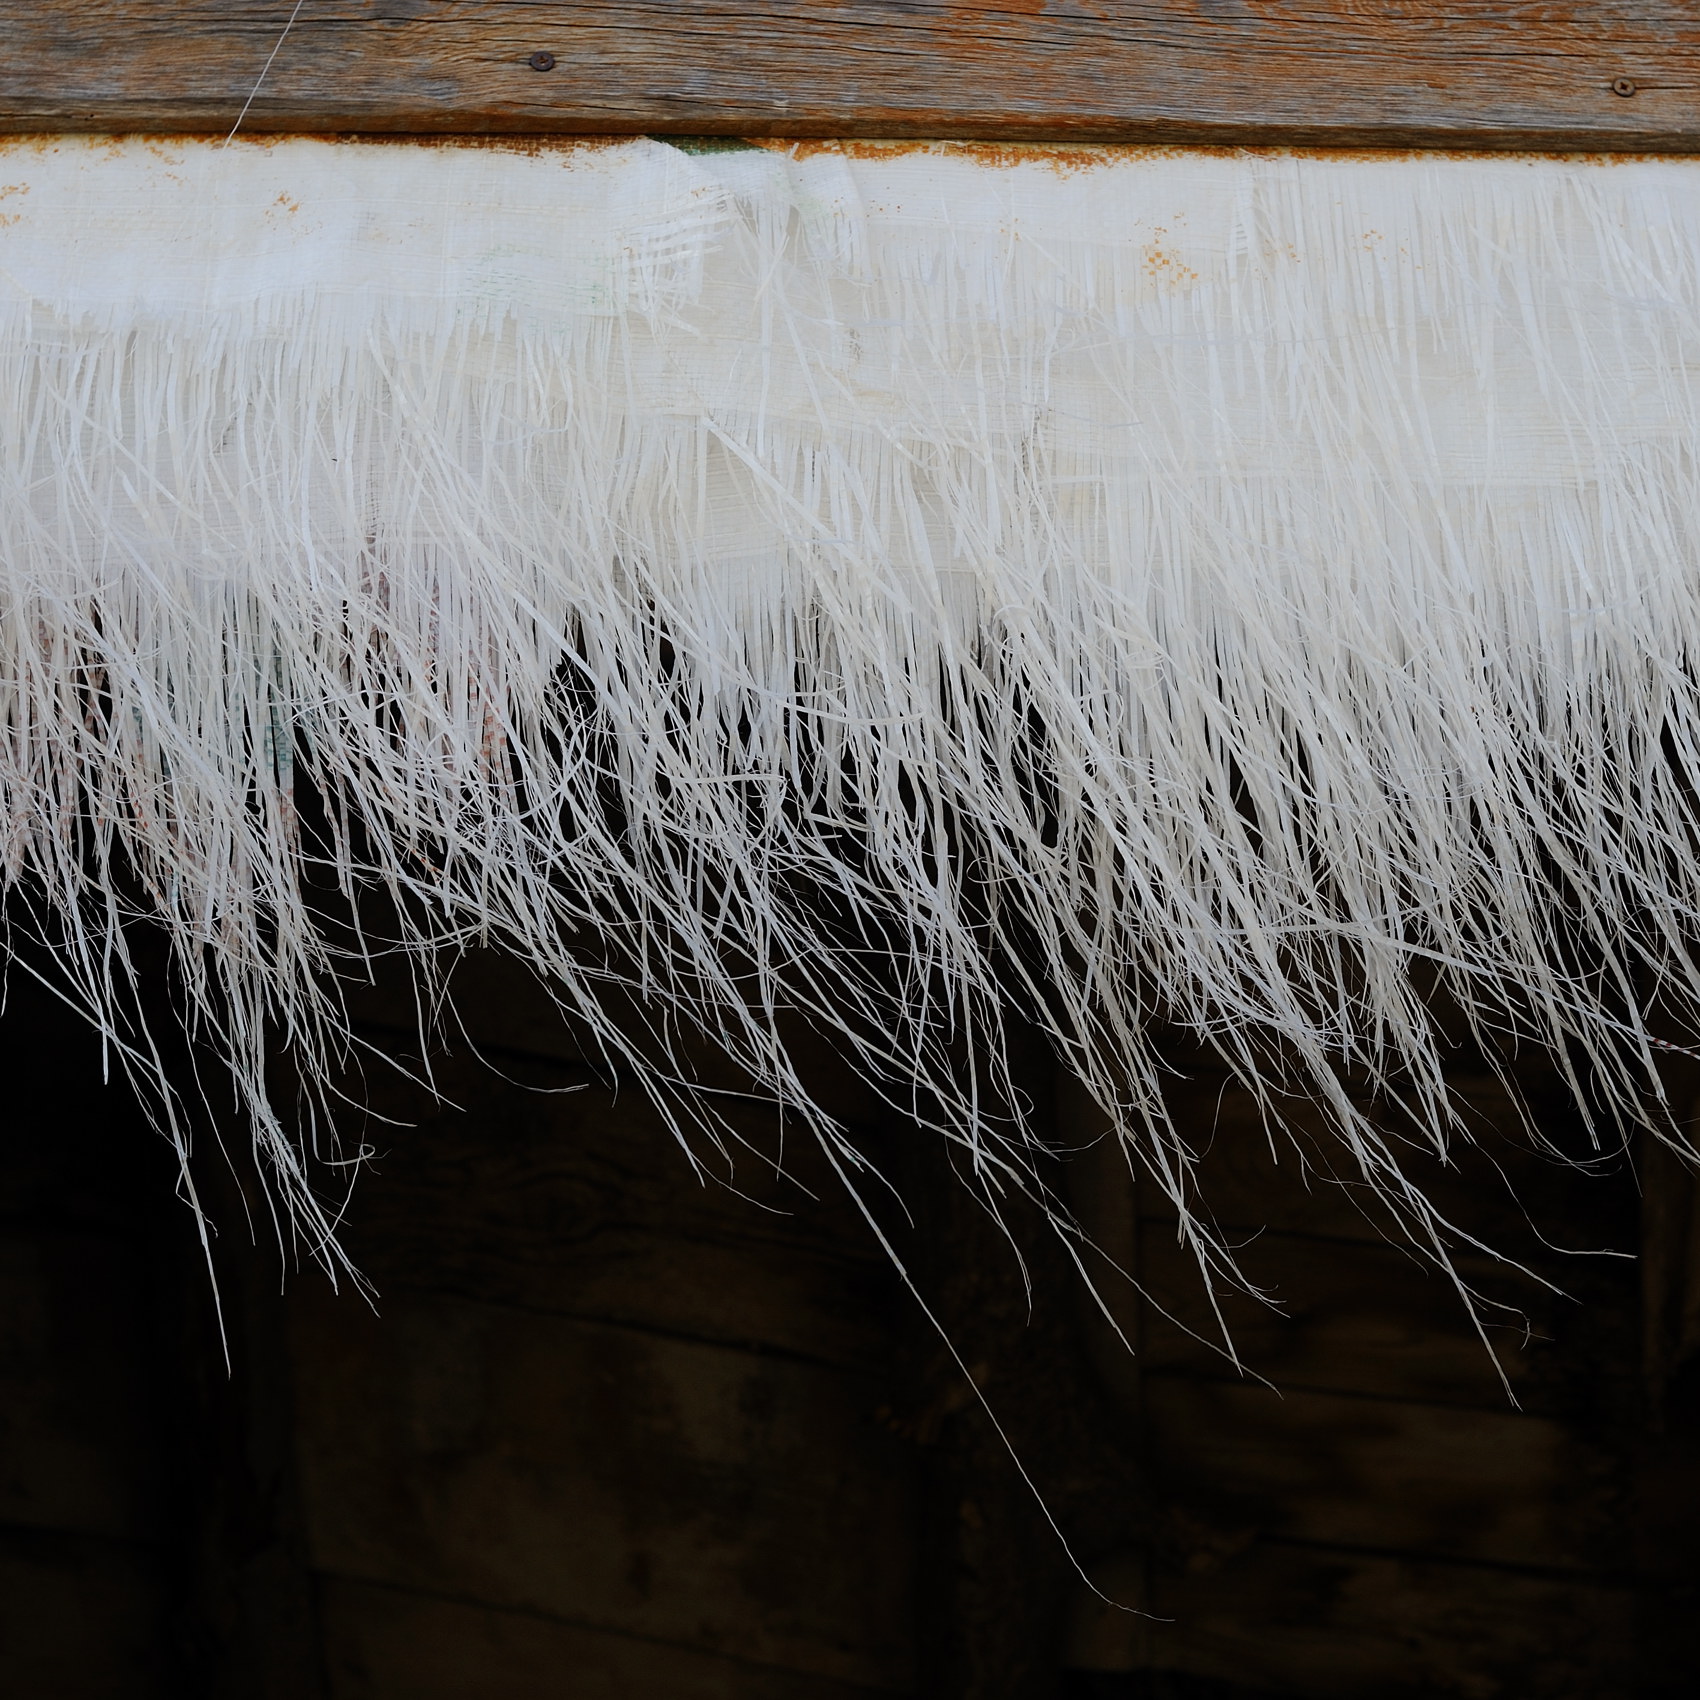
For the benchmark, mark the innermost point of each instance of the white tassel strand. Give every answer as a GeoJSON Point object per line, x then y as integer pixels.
{"type": "Point", "coordinates": [1242, 592]}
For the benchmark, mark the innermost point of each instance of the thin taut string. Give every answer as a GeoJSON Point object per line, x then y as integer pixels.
{"type": "Point", "coordinates": [264, 70]}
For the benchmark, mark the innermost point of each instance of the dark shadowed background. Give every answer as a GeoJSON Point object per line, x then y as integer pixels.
{"type": "Point", "coordinates": [610, 1428]}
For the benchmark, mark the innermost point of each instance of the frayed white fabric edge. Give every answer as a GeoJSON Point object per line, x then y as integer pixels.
{"type": "Point", "coordinates": [884, 588]}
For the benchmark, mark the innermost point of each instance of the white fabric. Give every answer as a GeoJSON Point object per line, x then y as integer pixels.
{"type": "Point", "coordinates": [1242, 590]}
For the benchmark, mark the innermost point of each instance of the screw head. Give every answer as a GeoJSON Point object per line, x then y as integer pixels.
{"type": "Point", "coordinates": [1624, 86]}
{"type": "Point", "coordinates": [542, 61]}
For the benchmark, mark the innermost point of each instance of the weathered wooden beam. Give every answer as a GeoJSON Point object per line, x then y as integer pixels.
{"type": "Point", "coordinates": [1574, 74]}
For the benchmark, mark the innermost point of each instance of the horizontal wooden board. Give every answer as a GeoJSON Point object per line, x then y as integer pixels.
{"type": "Point", "coordinates": [1384, 1475]}
{"type": "Point", "coordinates": [1505, 73]}
{"type": "Point", "coordinates": [1336, 1625]}
{"type": "Point", "coordinates": [1372, 1320]}
{"type": "Point", "coordinates": [78, 1440]}
{"type": "Point", "coordinates": [81, 1616]}
{"type": "Point", "coordinates": [490, 1003]}
{"type": "Point", "coordinates": [524, 1186]}
{"type": "Point", "coordinates": [1492, 1187]}
{"type": "Point", "coordinates": [388, 1642]}
{"type": "Point", "coordinates": [707, 1498]}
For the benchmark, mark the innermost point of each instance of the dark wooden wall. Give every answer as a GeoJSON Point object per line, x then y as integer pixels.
{"type": "Point", "coordinates": [610, 1430]}
{"type": "Point", "coordinates": [94, 1545]}
{"type": "Point", "coordinates": [1375, 1516]}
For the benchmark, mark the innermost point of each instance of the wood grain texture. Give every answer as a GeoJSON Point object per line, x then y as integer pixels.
{"type": "Point", "coordinates": [528, 1182]}
{"type": "Point", "coordinates": [1333, 1625]}
{"type": "Point", "coordinates": [697, 1497]}
{"type": "Point", "coordinates": [1384, 1475]}
{"type": "Point", "coordinates": [580, 1203]}
{"type": "Point", "coordinates": [383, 1642]}
{"type": "Point", "coordinates": [1368, 1320]}
{"type": "Point", "coordinates": [81, 1616]}
{"type": "Point", "coordinates": [1470, 73]}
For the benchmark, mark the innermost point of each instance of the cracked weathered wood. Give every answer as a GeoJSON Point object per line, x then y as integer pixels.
{"type": "Point", "coordinates": [1588, 74]}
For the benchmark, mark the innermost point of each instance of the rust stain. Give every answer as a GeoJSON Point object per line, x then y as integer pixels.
{"type": "Point", "coordinates": [530, 147]}
{"type": "Point", "coordinates": [1162, 266]}
{"type": "Point", "coordinates": [1065, 158]}
{"type": "Point", "coordinates": [171, 147]}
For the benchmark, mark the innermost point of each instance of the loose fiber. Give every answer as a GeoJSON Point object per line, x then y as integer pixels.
{"type": "Point", "coordinates": [882, 588]}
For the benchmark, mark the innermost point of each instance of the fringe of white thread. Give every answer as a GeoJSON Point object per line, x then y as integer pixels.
{"type": "Point", "coordinates": [1243, 592]}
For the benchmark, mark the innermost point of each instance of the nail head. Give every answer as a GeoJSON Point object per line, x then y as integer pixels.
{"type": "Point", "coordinates": [1624, 86]}
{"type": "Point", "coordinates": [542, 61]}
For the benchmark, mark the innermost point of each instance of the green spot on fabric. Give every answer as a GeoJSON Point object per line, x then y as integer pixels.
{"type": "Point", "coordinates": [706, 144]}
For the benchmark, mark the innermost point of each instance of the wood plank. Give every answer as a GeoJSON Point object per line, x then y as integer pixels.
{"type": "Point", "coordinates": [78, 1436]}
{"type": "Point", "coordinates": [392, 1644]}
{"type": "Point", "coordinates": [87, 1619]}
{"type": "Point", "coordinates": [1364, 1319]}
{"type": "Point", "coordinates": [86, 1348]}
{"type": "Point", "coordinates": [1525, 73]}
{"type": "Point", "coordinates": [530, 1188]}
{"type": "Point", "coordinates": [708, 1498]}
{"type": "Point", "coordinates": [1387, 1475]}
{"type": "Point", "coordinates": [1491, 1185]}
{"type": "Point", "coordinates": [1334, 1625]}
{"type": "Point", "coordinates": [491, 1002]}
